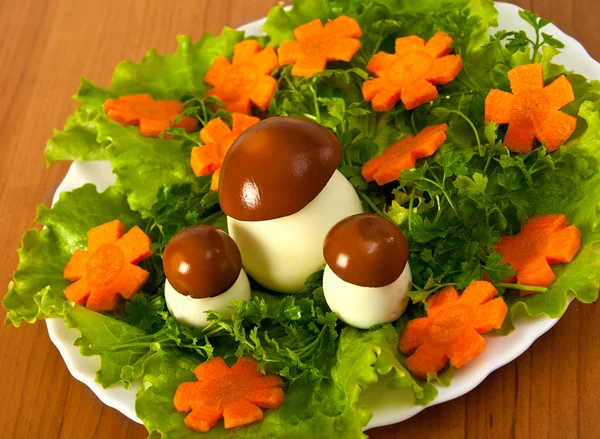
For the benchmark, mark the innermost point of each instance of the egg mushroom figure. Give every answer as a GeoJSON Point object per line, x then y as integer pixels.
{"type": "Point", "coordinates": [367, 276]}
{"type": "Point", "coordinates": [281, 191]}
{"type": "Point", "coordinates": [203, 267]}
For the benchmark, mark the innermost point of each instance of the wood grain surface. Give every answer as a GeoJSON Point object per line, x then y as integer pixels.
{"type": "Point", "coordinates": [551, 391]}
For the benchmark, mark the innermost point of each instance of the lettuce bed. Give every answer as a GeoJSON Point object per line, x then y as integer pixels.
{"type": "Point", "coordinates": [453, 208]}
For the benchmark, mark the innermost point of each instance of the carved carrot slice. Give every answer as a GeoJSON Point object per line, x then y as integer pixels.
{"type": "Point", "coordinates": [217, 138]}
{"type": "Point", "coordinates": [410, 75]}
{"type": "Point", "coordinates": [452, 327]}
{"type": "Point", "coordinates": [151, 116]}
{"type": "Point", "coordinates": [532, 110]}
{"type": "Point", "coordinates": [543, 240]}
{"type": "Point", "coordinates": [404, 154]}
{"type": "Point", "coordinates": [316, 44]}
{"type": "Point", "coordinates": [235, 394]}
{"type": "Point", "coordinates": [246, 79]}
{"type": "Point", "coordinates": [107, 268]}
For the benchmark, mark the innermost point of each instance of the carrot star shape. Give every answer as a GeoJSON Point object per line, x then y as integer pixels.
{"type": "Point", "coordinates": [543, 240]}
{"type": "Point", "coordinates": [404, 154]}
{"type": "Point", "coordinates": [411, 74]}
{"type": "Point", "coordinates": [452, 328]}
{"type": "Point", "coordinates": [235, 394]}
{"type": "Point", "coordinates": [316, 44]}
{"type": "Point", "coordinates": [217, 138]}
{"type": "Point", "coordinates": [532, 110]}
{"type": "Point", "coordinates": [151, 116]}
{"type": "Point", "coordinates": [107, 268]}
{"type": "Point", "coordinates": [246, 79]}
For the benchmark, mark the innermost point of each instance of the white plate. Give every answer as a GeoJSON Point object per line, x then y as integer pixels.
{"type": "Point", "coordinates": [383, 402]}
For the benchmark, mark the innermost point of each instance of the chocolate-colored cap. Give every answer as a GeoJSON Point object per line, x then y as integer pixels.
{"type": "Point", "coordinates": [202, 261]}
{"type": "Point", "coordinates": [276, 167]}
{"type": "Point", "coordinates": [366, 250]}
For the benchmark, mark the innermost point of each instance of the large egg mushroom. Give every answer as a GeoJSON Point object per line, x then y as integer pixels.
{"type": "Point", "coordinates": [281, 191]}
{"type": "Point", "coordinates": [203, 267]}
{"type": "Point", "coordinates": [367, 276]}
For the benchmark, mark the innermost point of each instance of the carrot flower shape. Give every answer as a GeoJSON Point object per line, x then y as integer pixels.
{"type": "Point", "coordinates": [151, 116]}
{"type": "Point", "coordinates": [235, 394]}
{"type": "Point", "coordinates": [246, 79]}
{"type": "Point", "coordinates": [107, 269]}
{"type": "Point", "coordinates": [411, 74]}
{"type": "Point", "coordinates": [217, 138]}
{"type": "Point", "coordinates": [532, 110]}
{"type": "Point", "coordinates": [404, 154]}
{"type": "Point", "coordinates": [316, 44]}
{"type": "Point", "coordinates": [452, 328]}
{"type": "Point", "coordinates": [543, 240]}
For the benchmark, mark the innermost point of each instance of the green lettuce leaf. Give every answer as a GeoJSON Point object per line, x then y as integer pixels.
{"type": "Point", "coordinates": [327, 408]}
{"type": "Point", "coordinates": [39, 277]}
{"type": "Point", "coordinates": [144, 164]}
{"type": "Point", "coordinates": [177, 76]}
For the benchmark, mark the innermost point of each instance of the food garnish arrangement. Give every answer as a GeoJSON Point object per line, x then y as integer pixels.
{"type": "Point", "coordinates": [356, 196]}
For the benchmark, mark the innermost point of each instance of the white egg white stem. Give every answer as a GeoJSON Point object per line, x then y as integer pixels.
{"type": "Point", "coordinates": [281, 253]}
{"type": "Point", "coordinates": [363, 307]}
{"type": "Point", "coordinates": [191, 311]}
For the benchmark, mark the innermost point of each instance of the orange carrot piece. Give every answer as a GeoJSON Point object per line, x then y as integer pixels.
{"type": "Point", "coordinates": [218, 138]}
{"type": "Point", "coordinates": [78, 291]}
{"type": "Point", "coordinates": [404, 154]}
{"type": "Point", "coordinates": [478, 292]}
{"type": "Point", "coordinates": [498, 106]}
{"type": "Point", "coordinates": [444, 297]}
{"type": "Point", "coordinates": [316, 45]}
{"type": "Point", "coordinates": [214, 181]}
{"type": "Point", "coordinates": [445, 69]}
{"type": "Point", "coordinates": [151, 116]}
{"type": "Point", "coordinates": [410, 75]}
{"type": "Point", "coordinates": [532, 111]}
{"type": "Point", "coordinates": [439, 45]}
{"type": "Point", "coordinates": [490, 315]}
{"type": "Point", "coordinates": [240, 83]}
{"type": "Point", "coordinates": [543, 240]}
{"type": "Point", "coordinates": [107, 269]}
{"type": "Point", "coordinates": [205, 159]}
{"type": "Point", "coordinates": [135, 245]}
{"type": "Point", "coordinates": [234, 393]}
{"type": "Point", "coordinates": [526, 78]}
{"type": "Point", "coordinates": [452, 327]}
{"type": "Point", "coordinates": [469, 346]}
{"type": "Point", "coordinates": [214, 368]}
{"type": "Point", "coordinates": [271, 397]}
{"type": "Point", "coordinates": [241, 413]}
{"type": "Point", "coordinates": [414, 334]}
{"type": "Point", "coordinates": [75, 268]}
{"type": "Point", "coordinates": [108, 233]}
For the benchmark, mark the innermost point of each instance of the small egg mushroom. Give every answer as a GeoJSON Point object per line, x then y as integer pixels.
{"type": "Point", "coordinates": [203, 267]}
{"type": "Point", "coordinates": [281, 191]}
{"type": "Point", "coordinates": [367, 276]}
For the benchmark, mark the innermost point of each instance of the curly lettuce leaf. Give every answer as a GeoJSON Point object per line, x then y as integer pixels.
{"type": "Point", "coordinates": [176, 75]}
{"type": "Point", "coordinates": [327, 408]}
{"type": "Point", "coordinates": [144, 164]}
{"type": "Point", "coordinates": [99, 334]}
{"type": "Point", "coordinates": [38, 280]}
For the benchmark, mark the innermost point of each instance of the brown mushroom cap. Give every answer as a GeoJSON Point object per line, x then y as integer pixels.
{"type": "Point", "coordinates": [202, 261]}
{"type": "Point", "coordinates": [276, 167]}
{"type": "Point", "coordinates": [366, 250]}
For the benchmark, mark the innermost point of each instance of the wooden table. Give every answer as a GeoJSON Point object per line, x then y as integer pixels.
{"type": "Point", "coordinates": [45, 47]}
